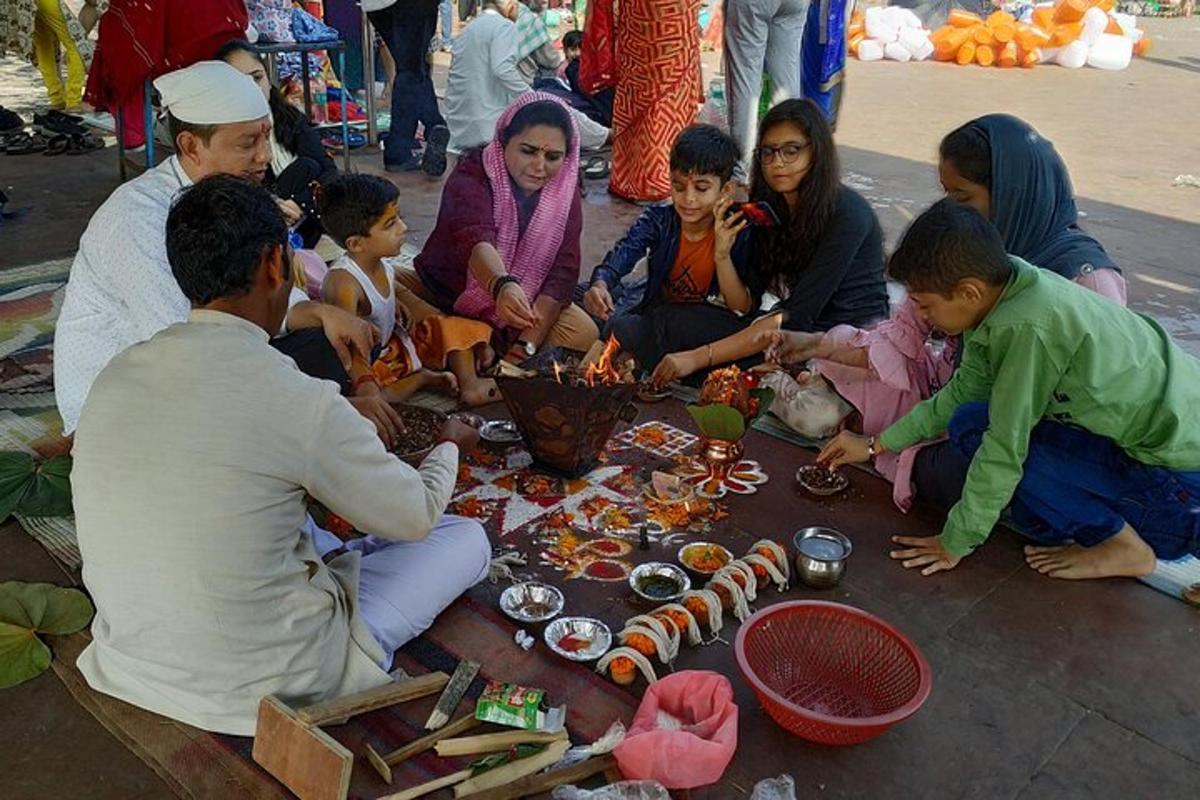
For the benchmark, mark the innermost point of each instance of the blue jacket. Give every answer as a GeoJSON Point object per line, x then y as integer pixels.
{"type": "Point", "coordinates": [657, 231]}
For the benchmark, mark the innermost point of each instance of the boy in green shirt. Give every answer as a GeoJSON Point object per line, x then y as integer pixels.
{"type": "Point", "coordinates": [1080, 415]}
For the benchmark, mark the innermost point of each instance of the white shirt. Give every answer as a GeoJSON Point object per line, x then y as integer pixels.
{"type": "Point", "coordinates": [192, 460]}
{"type": "Point", "coordinates": [121, 290]}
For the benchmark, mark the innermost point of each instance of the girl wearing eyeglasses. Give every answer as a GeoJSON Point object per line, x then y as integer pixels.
{"type": "Point", "coordinates": [823, 265]}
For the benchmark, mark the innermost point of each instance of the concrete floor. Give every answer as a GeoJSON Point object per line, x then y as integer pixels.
{"type": "Point", "coordinates": [1103, 674]}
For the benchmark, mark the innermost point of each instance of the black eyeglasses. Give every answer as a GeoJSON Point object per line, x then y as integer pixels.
{"type": "Point", "coordinates": [787, 153]}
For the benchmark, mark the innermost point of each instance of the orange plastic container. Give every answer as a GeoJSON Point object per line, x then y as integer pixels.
{"type": "Point", "coordinates": [1114, 28]}
{"type": "Point", "coordinates": [1043, 17]}
{"type": "Point", "coordinates": [855, 29]}
{"type": "Point", "coordinates": [946, 47]}
{"type": "Point", "coordinates": [1003, 25]}
{"type": "Point", "coordinates": [966, 53]}
{"type": "Point", "coordinates": [963, 19]}
{"type": "Point", "coordinates": [1031, 59]}
{"type": "Point", "coordinates": [1008, 55]}
{"type": "Point", "coordinates": [985, 55]}
{"type": "Point", "coordinates": [1030, 38]}
{"type": "Point", "coordinates": [1141, 46]}
{"type": "Point", "coordinates": [1070, 10]}
{"type": "Point", "coordinates": [1107, 5]}
{"type": "Point", "coordinates": [1065, 34]}
{"type": "Point", "coordinates": [854, 42]}
{"type": "Point", "coordinates": [982, 34]}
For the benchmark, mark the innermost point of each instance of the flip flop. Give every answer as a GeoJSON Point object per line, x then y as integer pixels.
{"type": "Point", "coordinates": [26, 144]}
{"type": "Point", "coordinates": [10, 120]}
{"type": "Point", "coordinates": [81, 143]}
{"type": "Point", "coordinates": [57, 145]}
{"type": "Point", "coordinates": [597, 168]}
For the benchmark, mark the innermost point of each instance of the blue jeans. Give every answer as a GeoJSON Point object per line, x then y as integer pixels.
{"type": "Point", "coordinates": [1082, 487]}
{"type": "Point", "coordinates": [447, 22]}
{"type": "Point", "coordinates": [406, 29]}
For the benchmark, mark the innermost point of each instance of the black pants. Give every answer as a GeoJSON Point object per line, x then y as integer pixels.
{"type": "Point", "coordinates": [407, 29]}
{"type": "Point", "coordinates": [669, 328]}
{"type": "Point", "coordinates": [314, 355]}
{"type": "Point", "coordinates": [939, 473]}
{"type": "Point", "coordinates": [295, 184]}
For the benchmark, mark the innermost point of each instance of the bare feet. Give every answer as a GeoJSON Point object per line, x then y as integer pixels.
{"type": "Point", "coordinates": [485, 357]}
{"type": "Point", "coordinates": [443, 382]}
{"type": "Point", "coordinates": [1191, 595]}
{"type": "Point", "coordinates": [1123, 556]}
{"type": "Point", "coordinates": [479, 392]}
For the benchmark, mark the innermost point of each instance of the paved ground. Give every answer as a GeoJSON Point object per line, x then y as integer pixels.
{"type": "Point", "coordinates": [1059, 690]}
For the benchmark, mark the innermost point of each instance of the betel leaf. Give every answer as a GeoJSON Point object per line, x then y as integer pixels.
{"type": "Point", "coordinates": [718, 421]}
{"type": "Point", "coordinates": [765, 396]}
{"type": "Point", "coordinates": [27, 609]}
{"type": "Point", "coordinates": [38, 489]}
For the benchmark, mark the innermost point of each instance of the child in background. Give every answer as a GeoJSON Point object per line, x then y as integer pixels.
{"type": "Point", "coordinates": [360, 213]}
{"type": "Point", "coordinates": [1080, 415]}
{"type": "Point", "coordinates": [572, 45]}
{"type": "Point", "coordinates": [696, 288]}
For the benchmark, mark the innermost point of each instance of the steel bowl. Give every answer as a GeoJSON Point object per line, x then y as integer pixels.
{"type": "Point", "coordinates": [532, 602]}
{"type": "Point", "coordinates": [821, 555]}
{"type": "Point", "coordinates": [661, 569]}
{"type": "Point", "coordinates": [803, 477]}
{"type": "Point", "coordinates": [700, 573]}
{"type": "Point", "coordinates": [595, 631]}
{"type": "Point", "coordinates": [467, 418]}
{"type": "Point", "coordinates": [500, 433]}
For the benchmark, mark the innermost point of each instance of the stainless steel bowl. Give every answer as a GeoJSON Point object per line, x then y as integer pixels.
{"type": "Point", "coordinates": [806, 474]}
{"type": "Point", "coordinates": [597, 634]}
{"type": "Point", "coordinates": [821, 555]}
{"type": "Point", "coordinates": [532, 602]}
{"type": "Point", "coordinates": [500, 433]}
{"type": "Point", "coordinates": [659, 569]}
{"type": "Point", "coordinates": [700, 573]}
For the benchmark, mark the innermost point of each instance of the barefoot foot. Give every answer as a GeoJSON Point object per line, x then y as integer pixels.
{"type": "Point", "coordinates": [1123, 556]}
{"type": "Point", "coordinates": [479, 392]}
{"type": "Point", "coordinates": [443, 382]}
{"type": "Point", "coordinates": [485, 357]}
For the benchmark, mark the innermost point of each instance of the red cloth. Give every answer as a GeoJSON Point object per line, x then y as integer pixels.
{"type": "Point", "coordinates": [140, 40]}
{"type": "Point", "coordinates": [597, 57]}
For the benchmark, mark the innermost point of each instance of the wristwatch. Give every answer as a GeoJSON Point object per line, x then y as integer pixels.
{"type": "Point", "coordinates": [529, 347]}
{"type": "Point", "coordinates": [871, 448]}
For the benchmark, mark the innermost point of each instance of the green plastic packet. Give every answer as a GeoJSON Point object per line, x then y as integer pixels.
{"type": "Point", "coordinates": [517, 706]}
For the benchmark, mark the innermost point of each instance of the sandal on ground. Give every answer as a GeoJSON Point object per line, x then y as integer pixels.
{"type": "Point", "coordinates": [57, 145]}
{"type": "Point", "coordinates": [25, 144]}
{"type": "Point", "coordinates": [81, 143]}
{"type": "Point", "coordinates": [597, 168]}
{"type": "Point", "coordinates": [10, 120]}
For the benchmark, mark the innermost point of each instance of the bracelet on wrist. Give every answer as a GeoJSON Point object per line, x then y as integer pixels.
{"type": "Point", "coordinates": [500, 282]}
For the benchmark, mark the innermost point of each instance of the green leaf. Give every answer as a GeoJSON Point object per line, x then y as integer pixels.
{"type": "Point", "coordinates": [22, 655]}
{"type": "Point", "coordinates": [16, 471]}
{"type": "Point", "coordinates": [718, 421]}
{"type": "Point", "coordinates": [44, 607]}
{"type": "Point", "coordinates": [488, 763]}
{"type": "Point", "coordinates": [49, 494]}
{"type": "Point", "coordinates": [766, 396]}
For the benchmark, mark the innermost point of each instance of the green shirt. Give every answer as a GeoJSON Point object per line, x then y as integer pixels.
{"type": "Point", "coordinates": [1050, 349]}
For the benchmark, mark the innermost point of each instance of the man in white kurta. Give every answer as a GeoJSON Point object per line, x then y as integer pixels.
{"type": "Point", "coordinates": [484, 80]}
{"type": "Point", "coordinates": [193, 456]}
{"type": "Point", "coordinates": [121, 290]}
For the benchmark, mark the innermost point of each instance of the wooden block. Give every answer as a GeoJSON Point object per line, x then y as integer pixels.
{"type": "Point", "coordinates": [545, 781]}
{"type": "Point", "coordinates": [502, 776]}
{"type": "Point", "coordinates": [495, 742]}
{"type": "Point", "coordinates": [306, 760]}
{"type": "Point", "coordinates": [372, 699]}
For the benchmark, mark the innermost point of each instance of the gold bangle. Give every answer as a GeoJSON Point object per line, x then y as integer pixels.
{"type": "Point", "coordinates": [710, 354]}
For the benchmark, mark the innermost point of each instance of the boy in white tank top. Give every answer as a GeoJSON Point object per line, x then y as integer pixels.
{"type": "Point", "coordinates": [360, 213]}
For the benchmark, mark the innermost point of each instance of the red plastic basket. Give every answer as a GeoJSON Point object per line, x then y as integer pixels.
{"type": "Point", "coordinates": [831, 673]}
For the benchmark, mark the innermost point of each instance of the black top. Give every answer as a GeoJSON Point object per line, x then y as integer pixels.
{"type": "Point", "coordinates": [843, 283]}
{"type": "Point", "coordinates": [304, 141]}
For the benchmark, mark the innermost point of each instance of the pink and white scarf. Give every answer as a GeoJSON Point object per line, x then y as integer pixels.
{"type": "Point", "coordinates": [528, 258]}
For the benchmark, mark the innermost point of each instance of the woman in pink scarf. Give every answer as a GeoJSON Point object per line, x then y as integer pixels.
{"type": "Point", "coordinates": [505, 248]}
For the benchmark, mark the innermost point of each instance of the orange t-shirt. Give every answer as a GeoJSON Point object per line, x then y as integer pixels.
{"type": "Point", "coordinates": [692, 274]}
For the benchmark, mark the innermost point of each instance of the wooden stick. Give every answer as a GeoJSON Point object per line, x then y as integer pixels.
{"type": "Point", "coordinates": [431, 787]}
{"type": "Point", "coordinates": [495, 742]}
{"type": "Point", "coordinates": [502, 776]}
{"type": "Point", "coordinates": [545, 781]}
{"type": "Point", "coordinates": [383, 763]}
{"type": "Point", "coordinates": [371, 699]}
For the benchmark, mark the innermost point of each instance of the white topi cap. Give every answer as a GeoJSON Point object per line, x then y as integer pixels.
{"type": "Point", "coordinates": [211, 93]}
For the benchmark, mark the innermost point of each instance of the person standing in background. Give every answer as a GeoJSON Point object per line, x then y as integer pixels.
{"type": "Point", "coordinates": [759, 32]}
{"type": "Point", "coordinates": [34, 30]}
{"type": "Point", "coordinates": [407, 29]}
{"type": "Point", "coordinates": [447, 14]}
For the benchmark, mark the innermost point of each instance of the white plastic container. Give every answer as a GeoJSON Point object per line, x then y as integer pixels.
{"type": "Point", "coordinates": [1111, 52]}
{"type": "Point", "coordinates": [914, 39]}
{"type": "Point", "coordinates": [910, 19]}
{"type": "Point", "coordinates": [895, 16]}
{"type": "Point", "coordinates": [870, 50]}
{"type": "Point", "coordinates": [896, 52]}
{"type": "Point", "coordinates": [878, 27]}
{"type": "Point", "coordinates": [1094, 23]}
{"type": "Point", "coordinates": [1128, 22]}
{"type": "Point", "coordinates": [1074, 55]}
{"type": "Point", "coordinates": [924, 52]}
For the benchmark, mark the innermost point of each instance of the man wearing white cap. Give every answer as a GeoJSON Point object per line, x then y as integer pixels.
{"type": "Point", "coordinates": [121, 290]}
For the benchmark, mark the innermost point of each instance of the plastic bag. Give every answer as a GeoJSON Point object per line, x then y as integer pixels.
{"type": "Point", "coordinates": [697, 752]}
{"type": "Point", "coordinates": [625, 790]}
{"type": "Point", "coordinates": [811, 408]}
{"type": "Point", "coordinates": [781, 788]}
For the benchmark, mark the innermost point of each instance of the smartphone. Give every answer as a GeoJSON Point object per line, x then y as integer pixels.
{"type": "Point", "coordinates": [760, 213]}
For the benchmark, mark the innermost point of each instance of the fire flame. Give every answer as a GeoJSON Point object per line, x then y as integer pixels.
{"type": "Point", "coordinates": [557, 372]}
{"type": "Point", "coordinates": [602, 371]}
